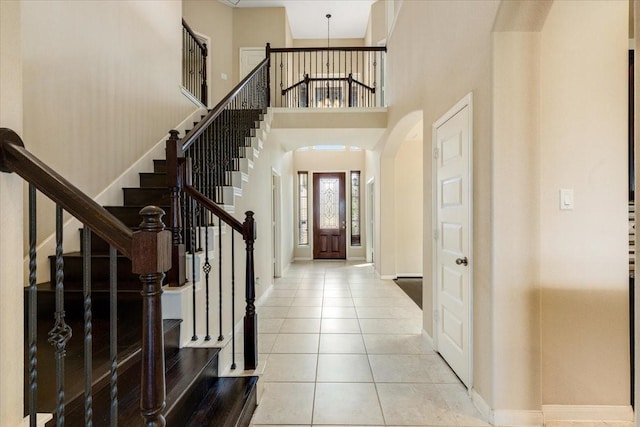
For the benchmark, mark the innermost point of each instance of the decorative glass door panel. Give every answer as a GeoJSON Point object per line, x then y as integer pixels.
{"type": "Point", "coordinates": [329, 228]}
{"type": "Point", "coordinates": [329, 203]}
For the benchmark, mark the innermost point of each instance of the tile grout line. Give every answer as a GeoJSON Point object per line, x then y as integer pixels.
{"type": "Point", "coordinates": [315, 385]}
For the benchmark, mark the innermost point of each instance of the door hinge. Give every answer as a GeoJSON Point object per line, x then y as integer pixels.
{"type": "Point", "coordinates": [436, 153]}
{"type": "Point", "coordinates": [436, 234]}
{"type": "Point", "coordinates": [436, 317]}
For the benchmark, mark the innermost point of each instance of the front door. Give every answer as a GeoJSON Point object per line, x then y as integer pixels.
{"type": "Point", "coordinates": [452, 237]}
{"type": "Point", "coordinates": [329, 217]}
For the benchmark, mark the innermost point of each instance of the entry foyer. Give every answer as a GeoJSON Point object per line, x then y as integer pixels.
{"type": "Point", "coordinates": [339, 346]}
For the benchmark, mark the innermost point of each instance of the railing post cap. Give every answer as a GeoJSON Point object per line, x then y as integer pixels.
{"type": "Point", "coordinates": [174, 134]}
{"type": "Point", "coordinates": [151, 218]}
{"type": "Point", "coordinates": [151, 246]}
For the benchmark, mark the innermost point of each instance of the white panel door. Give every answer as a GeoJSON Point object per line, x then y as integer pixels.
{"type": "Point", "coordinates": [452, 153]}
{"type": "Point", "coordinates": [250, 57]}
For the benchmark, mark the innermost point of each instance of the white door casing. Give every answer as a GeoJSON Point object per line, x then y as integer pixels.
{"type": "Point", "coordinates": [276, 221]}
{"type": "Point", "coordinates": [452, 162]}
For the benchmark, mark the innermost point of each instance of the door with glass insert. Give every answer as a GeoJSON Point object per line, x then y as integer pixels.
{"type": "Point", "coordinates": [329, 217]}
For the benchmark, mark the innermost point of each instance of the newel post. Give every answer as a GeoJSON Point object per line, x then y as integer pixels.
{"type": "Point", "coordinates": [177, 276]}
{"type": "Point", "coordinates": [250, 317]}
{"type": "Point", "coordinates": [204, 87]}
{"type": "Point", "coordinates": [151, 257]}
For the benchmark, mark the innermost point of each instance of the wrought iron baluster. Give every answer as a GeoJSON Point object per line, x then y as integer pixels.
{"type": "Point", "coordinates": [220, 337]}
{"type": "Point", "coordinates": [192, 234]}
{"type": "Point", "coordinates": [33, 312]}
{"type": "Point", "coordinates": [61, 332]}
{"type": "Point", "coordinates": [233, 301]}
{"type": "Point", "coordinates": [113, 334]}
{"type": "Point", "coordinates": [88, 337]}
{"type": "Point", "coordinates": [199, 185]}
{"type": "Point", "coordinates": [207, 269]}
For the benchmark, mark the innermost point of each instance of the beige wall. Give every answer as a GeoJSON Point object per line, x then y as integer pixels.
{"type": "Point", "coordinates": [255, 27]}
{"type": "Point", "coordinates": [323, 42]}
{"type": "Point", "coordinates": [11, 250]}
{"type": "Point", "coordinates": [439, 52]}
{"type": "Point", "coordinates": [329, 161]}
{"type": "Point", "coordinates": [257, 197]}
{"type": "Point", "coordinates": [288, 39]}
{"type": "Point", "coordinates": [101, 86]}
{"type": "Point", "coordinates": [215, 20]}
{"type": "Point", "coordinates": [583, 252]}
{"type": "Point", "coordinates": [516, 320]}
{"type": "Point", "coordinates": [408, 206]}
{"type": "Point", "coordinates": [377, 28]}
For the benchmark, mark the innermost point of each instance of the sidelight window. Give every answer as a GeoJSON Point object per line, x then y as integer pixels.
{"type": "Point", "coordinates": [355, 208]}
{"type": "Point", "coordinates": [303, 215]}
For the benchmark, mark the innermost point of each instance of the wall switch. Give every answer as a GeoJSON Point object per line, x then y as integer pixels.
{"type": "Point", "coordinates": [223, 76]}
{"type": "Point", "coordinates": [566, 199]}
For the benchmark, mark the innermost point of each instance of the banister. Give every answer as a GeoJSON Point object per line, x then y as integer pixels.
{"type": "Point", "coordinates": [15, 158]}
{"type": "Point", "coordinates": [332, 48]}
{"type": "Point", "coordinates": [192, 135]}
{"type": "Point", "coordinates": [372, 89]}
{"type": "Point", "coordinates": [193, 35]}
{"type": "Point", "coordinates": [213, 208]}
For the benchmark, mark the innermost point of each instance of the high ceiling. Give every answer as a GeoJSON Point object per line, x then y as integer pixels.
{"type": "Point", "coordinates": [307, 18]}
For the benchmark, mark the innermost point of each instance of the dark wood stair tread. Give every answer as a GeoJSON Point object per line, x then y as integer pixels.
{"type": "Point", "coordinates": [185, 370]}
{"type": "Point", "coordinates": [230, 401]}
{"type": "Point", "coordinates": [129, 353]}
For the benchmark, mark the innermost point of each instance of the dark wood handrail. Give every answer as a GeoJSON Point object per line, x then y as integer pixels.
{"type": "Point", "coordinates": [325, 49]}
{"type": "Point", "coordinates": [15, 158]}
{"type": "Point", "coordinates": [193, 35]}
{"type": "Point", "coordinates": [208, 204]}
{"type": "Point", "coordinates": [197, 130]}
{"type": "Point", "coordinates": [327, 79]}
{"type": "Point", "coordinates": [372, 89]}
{"type": "Point", "coordinates": [295, 85]}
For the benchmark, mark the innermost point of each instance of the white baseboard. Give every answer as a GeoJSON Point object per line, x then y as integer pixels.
{"type": "Point", "coordinates": [517, 418]}
{"type": "Point", "coordinates": [505, 417]}
{"type": "Point", "coordinates": [587, 413]}
{"type": "Point", "coordinates": [482, 406]}
{"type": "Point", "coordinates": [264, 296]}
{"type": "Point", "coordinates": [427, 338]}
{"type": "Point", "coordinates": [302, 259]}
{"type": "Point", "coordinates": [410, 275]}
{"type": "Point", "coordinates": [387, 276]}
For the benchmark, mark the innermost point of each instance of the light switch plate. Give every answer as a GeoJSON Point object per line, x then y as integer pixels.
{"type": "Point", "coordinates": [566, 199]}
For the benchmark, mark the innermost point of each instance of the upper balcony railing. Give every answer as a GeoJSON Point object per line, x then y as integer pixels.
{"type": "Point", "coordinates": [327, 77]}
{"type": "Point", "coordinates": [194, 64]}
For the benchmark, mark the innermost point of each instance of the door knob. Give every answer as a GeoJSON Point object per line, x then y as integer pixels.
{"type": "Point", "coordinates": [462, 261]}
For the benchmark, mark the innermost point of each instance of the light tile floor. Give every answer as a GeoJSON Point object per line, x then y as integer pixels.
{"type": "Point", "coordinates": [342, 347]}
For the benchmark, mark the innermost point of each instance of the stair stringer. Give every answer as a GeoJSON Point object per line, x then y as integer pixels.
{"type": "Point", "coordinates": [111, 195]}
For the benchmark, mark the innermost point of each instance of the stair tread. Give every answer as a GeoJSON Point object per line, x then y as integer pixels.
{"type": "Point", "coordinates": [226, 402]}
{"type": "Point", "coordinates": [179, 369]}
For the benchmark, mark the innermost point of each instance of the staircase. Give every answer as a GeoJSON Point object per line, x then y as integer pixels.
{"type": "Point", "coordinates": [196, 395]}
